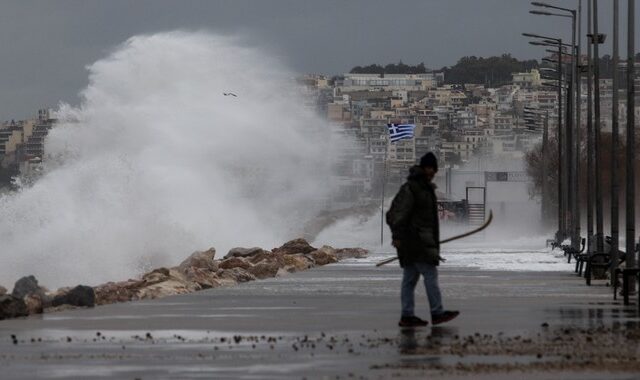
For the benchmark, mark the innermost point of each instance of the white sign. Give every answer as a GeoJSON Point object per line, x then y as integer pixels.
{"type": "Point", "coordinates": [506, 177]}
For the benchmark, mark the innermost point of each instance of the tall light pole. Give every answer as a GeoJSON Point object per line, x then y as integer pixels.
{"type": "Point", "coordinates": [598, 139]}
{"type": "Point", "coordinates": [591, 182]}
{"type": "Point", "coordinates": [614, 149]}
{"type": "Point", "coordinates": [572, 140]}
{"type": "Point", "coordinates": [576, 131]}
{"type": "Point", "coordinates": [560, 235]}
{"type": "Point", "coordinates": [631, 140]}
{"type": "Point", "coordinates": [545, 183]}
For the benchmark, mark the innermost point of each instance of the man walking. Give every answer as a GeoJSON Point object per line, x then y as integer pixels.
{"type": "Point", "coordinates": [413, 219]}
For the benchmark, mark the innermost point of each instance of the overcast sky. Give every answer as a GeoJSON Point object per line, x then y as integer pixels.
{"type": "Point", "coordinates": [45, 45]}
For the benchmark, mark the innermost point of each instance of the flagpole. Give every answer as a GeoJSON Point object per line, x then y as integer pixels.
{"type": "Point", "coordinates": [384, 180]}
{"type": "Point", "coordinates": [396, 132]}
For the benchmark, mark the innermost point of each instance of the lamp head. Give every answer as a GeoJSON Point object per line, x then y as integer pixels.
{"type": "Point", "coordinates": [542, 13]}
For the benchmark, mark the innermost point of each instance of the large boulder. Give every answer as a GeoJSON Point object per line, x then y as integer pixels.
{"type": "Point", "coordinates": [34, 303]}
{"type": "Point", "coordinates": [164, 282]}
{"type": "Point", "coordinates": [160, 282]}
{"type": "Point", "coordinates": [244, 252]}
{"type": "Point", "coordinates": [268, 257]}
{"type": "Point", "coordinates": [323, 256]}
{"type": "Point", "coordinates": [296, 263]}
{"type": "Point", "coordinates": [264, 269]}
{"type": "Point", "coordinates": [236, 274]}
{"type": "Point", "coordinates": [204, 278]}
{"type": "Point", "coordinates": [234, 262]}
{"type": "Point", "coordinates": [81, 295]}
{"type": "Point", "coordinates": [113, 292]}
{"type": "Point", "coordinates": [166, 288]}
{"type": "Point", "coordinates": [265, 256]}
{"type": "Point", "coordinates": [12, 307]}
{"type": "Point", "coordinates": [203, 260]}
{"type": "Point", "coordinates": [295, 246]}
{"type": "Point", "coordinates": [156, 276]}
{"type": "Point", "coordinates": [27, 285]}
{"type": "Point", "coordinates": [351, 253]}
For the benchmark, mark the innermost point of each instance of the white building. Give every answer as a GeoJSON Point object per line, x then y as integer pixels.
{"type": "Point", "coordinates": [406, 82]}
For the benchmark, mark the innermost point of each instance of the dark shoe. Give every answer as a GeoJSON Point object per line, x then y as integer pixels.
{"type": "Point", "coordinates": [412, 322]}
{"type": "Point", "coordinates": [444, 317]}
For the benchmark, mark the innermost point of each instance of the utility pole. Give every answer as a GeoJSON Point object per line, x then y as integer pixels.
{"type": "Point", "coordinates": [631, 141]}
{"type": "Point", "coordinates": [568, 149]}
{"type": "Point", "coordinates": [614, 149]}
{"type": "Point", "coordinates": [545, 161]}
{"type": "Point", "coordinates": [568, 190]}
{"type": "Point", "coordinates": [561, 202]}
{"type": "Point", "coordinates": [598, 138]}
{"type": "Point", "coordinates": [590, 172]}
{"type": "Point", "coordinates": [572, 188]}
{"type": "Point", "coordinates": [576, 130]}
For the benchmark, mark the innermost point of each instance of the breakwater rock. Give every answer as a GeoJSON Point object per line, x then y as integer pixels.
{"type": "Point", "coordinates": [12, 307]}
{"type": "Point", "coordinates": [201, 270]}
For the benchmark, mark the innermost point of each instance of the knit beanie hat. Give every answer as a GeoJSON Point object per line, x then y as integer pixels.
{"type": "Point", "coordinates": [429, 160]}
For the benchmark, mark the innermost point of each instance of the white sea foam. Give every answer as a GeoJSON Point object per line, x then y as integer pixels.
{"type": "Point", "coordinates": [156, 162]}
{"type": "Point", "coordinates": [485, 259]}
{"type": "Point", "coordinates": [496, 248]}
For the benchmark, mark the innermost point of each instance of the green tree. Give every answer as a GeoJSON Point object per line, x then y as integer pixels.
{"type": "Point", "coordinates": [391, 68]}
{"type": "Point", "coordinates": [492, 71]}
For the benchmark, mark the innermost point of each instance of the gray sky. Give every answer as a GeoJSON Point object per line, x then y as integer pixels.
{"type": "Point", "coordinates": [45, 45]}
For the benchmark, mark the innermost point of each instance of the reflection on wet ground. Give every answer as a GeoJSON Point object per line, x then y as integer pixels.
{"type": "Point", "coordinates": [596, 316]}
{"type": "Point", "coordinates": [593, 351]}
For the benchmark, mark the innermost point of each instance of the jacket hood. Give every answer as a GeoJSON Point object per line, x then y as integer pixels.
{"type": "Point", "coordinates": [416, 173]}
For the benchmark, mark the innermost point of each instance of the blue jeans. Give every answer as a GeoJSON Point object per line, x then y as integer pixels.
{"type": "Point", "coordinates": [410, 277]}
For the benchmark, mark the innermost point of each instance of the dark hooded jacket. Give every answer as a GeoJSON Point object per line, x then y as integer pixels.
{"type": "Point", "coordinates": [413, 219]}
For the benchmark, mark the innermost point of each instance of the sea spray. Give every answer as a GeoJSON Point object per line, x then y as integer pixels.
{"type": "Point", "coordinates": [157, 162]}
{"type": "Point", "coordinates": [516, 224]}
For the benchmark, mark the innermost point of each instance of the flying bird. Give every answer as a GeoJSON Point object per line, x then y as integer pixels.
{"type": "Point", "coordinates": [229, 94]}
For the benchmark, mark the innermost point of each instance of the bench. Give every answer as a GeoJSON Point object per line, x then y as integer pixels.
{"type": "Point", "coordinates": [583, 258]}
{"type": "Point", "coordinates": [626, 273]}
{"type": "Point", "coordinates": [603, 260]}
{"type": "Point", "coordinates": [569, 251]}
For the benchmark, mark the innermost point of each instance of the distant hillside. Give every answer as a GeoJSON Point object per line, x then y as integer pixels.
{"type": "Point", "coordinates": [392, 68]}
{"type": "Point", "coordinates": [492, 71]}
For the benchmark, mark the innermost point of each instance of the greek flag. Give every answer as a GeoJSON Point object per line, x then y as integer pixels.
{"type": "Point", "coordinates": [399, 132]}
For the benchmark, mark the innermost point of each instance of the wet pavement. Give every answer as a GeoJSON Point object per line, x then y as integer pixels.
{"type": "Point", "coordinates": [338, 321]}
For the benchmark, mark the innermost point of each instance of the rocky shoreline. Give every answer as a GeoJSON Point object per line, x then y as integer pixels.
{"type": "Point", "coordinates": [201, 270]}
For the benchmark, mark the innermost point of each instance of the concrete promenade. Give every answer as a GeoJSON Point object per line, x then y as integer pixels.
{"type": "Point", "coordinates": [338, 321]}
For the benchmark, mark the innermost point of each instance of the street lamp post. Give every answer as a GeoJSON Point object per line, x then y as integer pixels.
{"type": "Point", "coordinates": [576, 130]}
{"type": "Point", "coordinates": [590, 174]}
{"type": "Point", "coordinates": [545, 183]}
{"type": "Point", "coordinates": [614, 149]}
{"type": "Point", "coordinates": [631, 150]}
{"type": "Point", "coordinates": [598, 135]}
{"type": "Point", "coordinates": [572, 129]}
{"type": "Point", "coordinates": [561, 215]}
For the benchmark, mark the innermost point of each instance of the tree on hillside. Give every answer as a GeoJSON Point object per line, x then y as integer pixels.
{"type": "Point", "coordinates": [391, 68]}
{"type": "Point", "coordinates": [493, 71]}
